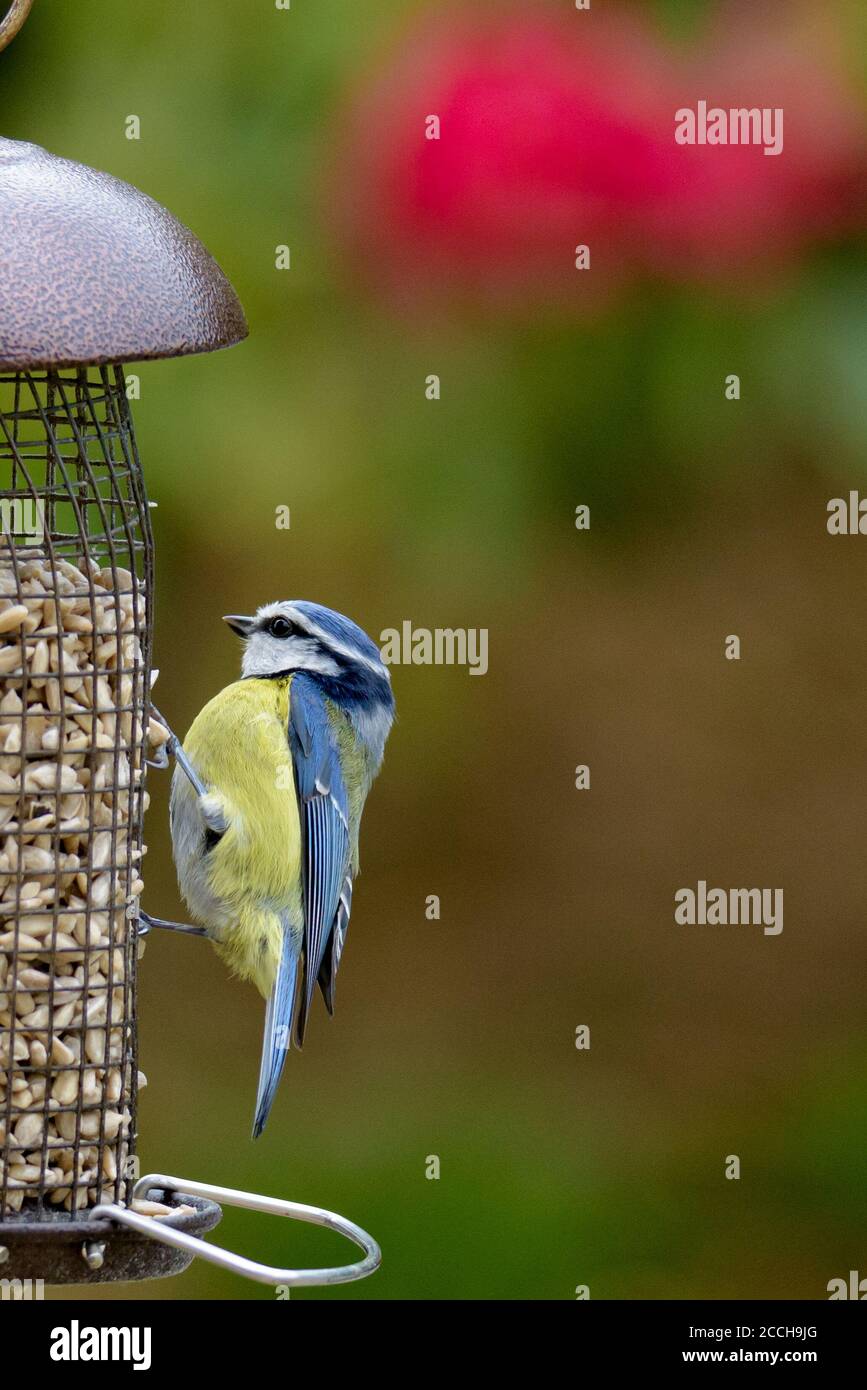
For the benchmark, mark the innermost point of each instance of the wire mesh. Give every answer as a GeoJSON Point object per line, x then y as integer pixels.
{"type": "Point", "coordinates": [75, 625]}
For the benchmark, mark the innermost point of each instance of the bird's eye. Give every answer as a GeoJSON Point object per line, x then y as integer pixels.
{"type": "Point", "coordinates": [280, 627]}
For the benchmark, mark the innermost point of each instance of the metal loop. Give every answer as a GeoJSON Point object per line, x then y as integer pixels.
{"type": "Point", "coordinates": [239, 1264]}
{"type": "Point", "coordinates": [15, 17]}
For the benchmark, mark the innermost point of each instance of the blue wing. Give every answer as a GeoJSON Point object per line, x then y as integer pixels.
{"type": "Point", "coordinates": [331, 959]}
{"type": "Point", "coordinates": [325, 841]}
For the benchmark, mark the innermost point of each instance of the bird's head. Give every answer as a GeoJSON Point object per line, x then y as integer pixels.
{"type": "Point", "coordinates": [295, 635]}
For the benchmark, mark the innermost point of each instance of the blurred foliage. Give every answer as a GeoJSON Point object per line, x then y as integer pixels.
{"type": "Point", "coordinates": [455, 1038]}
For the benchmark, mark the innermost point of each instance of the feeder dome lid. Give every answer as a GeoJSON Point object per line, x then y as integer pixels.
{"type": "Point", "coordinates": [94, 271]}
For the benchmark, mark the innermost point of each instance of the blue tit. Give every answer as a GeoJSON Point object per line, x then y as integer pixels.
{"type": "Point", "coordinates": [266, 806]}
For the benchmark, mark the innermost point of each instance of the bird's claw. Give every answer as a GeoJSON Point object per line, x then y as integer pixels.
{"type": "Point", "coordinates": [146, 922]}
{"type": "Point", "coordinates": [172, 747]}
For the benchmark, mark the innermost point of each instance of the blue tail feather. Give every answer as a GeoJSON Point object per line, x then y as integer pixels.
{"type": "Point", "coordinates": [278, 1030]}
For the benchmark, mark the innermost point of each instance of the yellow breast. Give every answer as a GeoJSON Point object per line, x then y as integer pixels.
{"type": "Point", "coordinates": [239, 746]}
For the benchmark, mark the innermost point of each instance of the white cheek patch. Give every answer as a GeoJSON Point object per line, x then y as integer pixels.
{"type": "Point", "coordinates": [264, 655]}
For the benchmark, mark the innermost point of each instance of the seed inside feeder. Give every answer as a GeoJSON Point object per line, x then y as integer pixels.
{"type": "Point", "coordinates": [71, 801]}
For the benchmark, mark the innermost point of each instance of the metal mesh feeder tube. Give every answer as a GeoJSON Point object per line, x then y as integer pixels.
{"type": "Point", "coordinates": [92, 273]}
{"type": "Point", "coordinates": [74, 619]}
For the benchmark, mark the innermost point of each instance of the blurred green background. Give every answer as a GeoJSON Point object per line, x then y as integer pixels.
{"type": "Point", "coordinates": [456, 1037]}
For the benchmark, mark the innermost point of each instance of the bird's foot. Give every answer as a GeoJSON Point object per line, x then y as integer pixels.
{"type": "Point", "coordinates": [174, 749]}
{"type": "Point", "coordinates": [145, 922]}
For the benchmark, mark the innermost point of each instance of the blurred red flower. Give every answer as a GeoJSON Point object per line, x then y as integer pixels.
{"type": "Point", "coordinates": [558, 130]}
{"type": "Point", "coordinates": [734, 209]}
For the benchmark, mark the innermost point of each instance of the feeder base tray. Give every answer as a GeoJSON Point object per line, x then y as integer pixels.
{"type": "Point", "coordinates": [56, 1249]}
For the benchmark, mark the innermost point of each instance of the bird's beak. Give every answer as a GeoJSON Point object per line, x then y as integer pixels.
{"type": "Point", "coordinates": [243, 626]}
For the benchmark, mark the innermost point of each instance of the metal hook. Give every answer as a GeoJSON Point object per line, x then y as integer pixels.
{"type": "Point", "coordinates": [252, 1201]}
{"type": "Point", "coordinates": [15, 17]}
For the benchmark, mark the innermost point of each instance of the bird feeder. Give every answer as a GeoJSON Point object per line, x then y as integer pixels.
{"type": "Point", "coordinates": [93, 274]}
